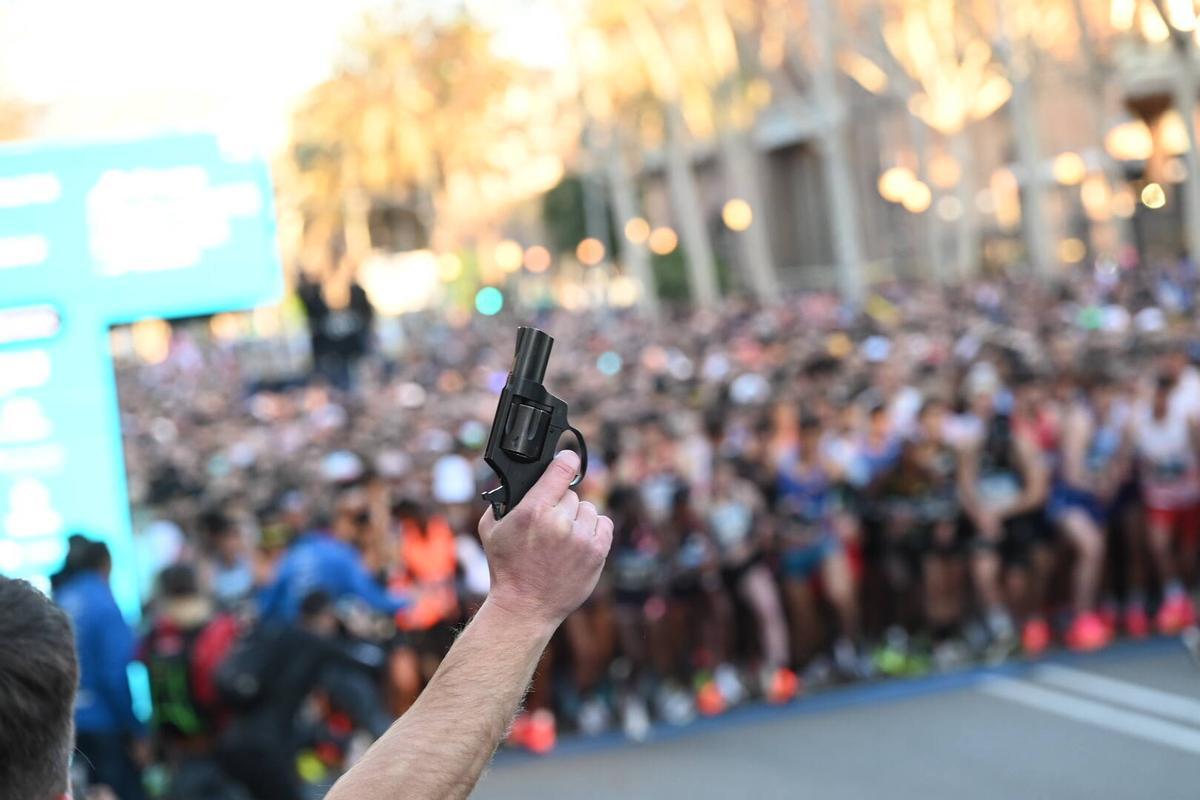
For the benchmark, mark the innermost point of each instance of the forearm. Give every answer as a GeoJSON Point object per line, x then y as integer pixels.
{"type": "Point", "coordinates": [438, 749]}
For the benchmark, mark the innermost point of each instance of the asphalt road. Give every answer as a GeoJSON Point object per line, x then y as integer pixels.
{"type": "Point", "coordinates": [1121, 724]}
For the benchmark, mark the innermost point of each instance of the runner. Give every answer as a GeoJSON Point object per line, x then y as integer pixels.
{"type": "Point", "coordinates": [1088, 477]}
{"type": "Point", "coordinates": [1166, 444]}
{"type": "Point", "coordinates": [638, 568]}
{"type": "Point", "coordinates": [1002, 486]}
{"type": "Point", "coordinates": [811, 546]}
{"type": "Point", "coordinates": [922, 546]}
{"type": "Point", "coordinates": [736, 517]}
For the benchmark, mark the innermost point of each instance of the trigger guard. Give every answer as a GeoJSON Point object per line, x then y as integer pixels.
{"type": "Point", "coordinates": [583, 457]}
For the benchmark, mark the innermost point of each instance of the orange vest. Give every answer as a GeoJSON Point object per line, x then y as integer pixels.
{"type": "Point", "coordinates": [430, 560]}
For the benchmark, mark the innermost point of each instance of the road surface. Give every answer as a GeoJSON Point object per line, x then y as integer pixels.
{"type": "Point", "coordinates": [1120, 724]}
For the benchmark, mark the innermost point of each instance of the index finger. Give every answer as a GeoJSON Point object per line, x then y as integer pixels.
{"type": "Point", "coordinates": [555, 481]}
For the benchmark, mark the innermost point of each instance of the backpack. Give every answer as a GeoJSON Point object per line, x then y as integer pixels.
{"type": "Point", "coordinates": [180, 664]}
{"type": "Point", "coordinates": [240, 678]}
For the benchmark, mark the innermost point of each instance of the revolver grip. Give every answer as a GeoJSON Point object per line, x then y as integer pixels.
{"type": "Point", "coordinates": [518, 475]}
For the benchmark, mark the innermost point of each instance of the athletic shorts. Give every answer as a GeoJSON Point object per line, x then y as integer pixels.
{"type": "Point", "coordinates": [922, 541]}
{"type": "Point", "coordinates": [802, 563]}
{"type": "Point", "coordinates": [1065, 499]}
{"type": "Point", "coordinates": [732, 576]}
{"type": "Point", "coordinates": [1180, 521]}
{"type": "Point", "coordinates": [1020, 535]}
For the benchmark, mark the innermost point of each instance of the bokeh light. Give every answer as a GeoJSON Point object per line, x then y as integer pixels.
{"type": "Point", "coordinates": [637, 230]}
{"type": "Point", "coordinates": [537, 259]}
{"type": "Point", "coordinates": [737, 214]}
{"type": "Point", "coordinates": [1153, 196]}
{"type": "Point", "coordinates": [1130, 141]}
{"type": "Point", "coordinates": [917, 197]}
{"type": "Point", "coordinates": [609, 363]}
{"type": "Point", "coordinates": [1069, 169]}
{"type": "Point", "coordinates": [590, 251]}
{"type": "Point", "coordinates": [489, 301]}
{"type": "Point", "coordinates": [152, 340]}
{"type": "Point", "coordinates": [895, 182]}
{"type": "Point", "coordinates": [1182, 15]}
{"type": "Point", "coordinates": [1071, 251]}
{"type": "Point", "coordinates": [663, 241]}
{"type": "Point", "coordinates": [509, 255]}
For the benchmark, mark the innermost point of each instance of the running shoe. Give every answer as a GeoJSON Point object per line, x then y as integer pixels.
{"type": "Point", "coordinates": [1087, 633]}
{"type": "Point", "coordinates": [849, 660]}
{"type": "Point", "coordinates": [1175, 614]}
{"type": "Point", "coordinates": [729, 683]}
{"type": "Point", "coordinates": [594, 717]}
{"type": "Point", "coordinates": [818, 673]}
{"type": "Point", "coordinates": [1035, 636]}
{"type": "Point", "coordinates": [1003, 638]}
{"type": "Point", "coordinates": [542, 733]}
{"type": "Point", "coordinates": [1136, 622]}
{"type": "Point", "coordinates": [890, 658]}
{"type": "Point", "coordinates": [674, 706]}
{"type": "Point", "coordinates": [709, 701]}
{"type": "Point", "coordinates": [635, 719]}
{"type": "Point", "coordinates": [950, 655]}
{"type": "Point", "coordinates": [782, 685]}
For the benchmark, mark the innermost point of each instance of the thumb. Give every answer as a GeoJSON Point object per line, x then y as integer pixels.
{"type": "Point", "coordinates": [555, 481]}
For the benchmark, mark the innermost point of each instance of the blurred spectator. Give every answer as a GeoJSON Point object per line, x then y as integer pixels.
{"type": "Point", "coordinates": [108, 734]}
{"type": "Point", "coordinates": [228, 564]}
{"type": "Point", "coordinates": [186, 643]}
{"type": "Point", "coordinates": [318, 561]}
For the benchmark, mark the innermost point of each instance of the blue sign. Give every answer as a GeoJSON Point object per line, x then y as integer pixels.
{"type": "Point", "coordinates": [92, 236]}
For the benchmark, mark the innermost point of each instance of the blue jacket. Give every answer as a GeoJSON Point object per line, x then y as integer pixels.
{"type": "Point", "coordinates": [317, 561]}
{"type": "Point", "coordinates": [105, 644]}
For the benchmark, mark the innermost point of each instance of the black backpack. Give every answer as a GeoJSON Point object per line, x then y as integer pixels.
{"type": "Point", "coordinates": [243, 675]}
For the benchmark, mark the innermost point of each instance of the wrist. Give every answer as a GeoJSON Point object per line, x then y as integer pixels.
{"type": "Point", "coordinates": [518, 618]}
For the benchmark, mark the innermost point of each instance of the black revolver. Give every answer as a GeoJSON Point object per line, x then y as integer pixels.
{"type": "Point", "coordinates": [528, 423]}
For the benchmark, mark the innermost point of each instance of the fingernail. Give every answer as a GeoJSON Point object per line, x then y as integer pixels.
{"type": "Point", "coordinates": [567, 455]}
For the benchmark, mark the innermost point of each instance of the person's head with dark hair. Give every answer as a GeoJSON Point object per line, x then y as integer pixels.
{"type": "Point", "coordinates": [317, 614]}
{"type": "Point", "coordinates": [878, 420]}
{"type": "Point", "coordinates": [178, 581]}
{"type": "Point", "coordinates": [213, 523]}
{"type": "Point", "coordinates": [681, 501]}
{"type": "Point", "coordinates": [1163, 386]}
{"type": "Point", "coordinates": [87, 555]}
{"type": "Point", "coordinates": [221, 536]}
{"type": "Point", "coordinates": [77, 553]}
{"type": "Point", "coordinates": [932, 418]}
{"type": "Point", "coordinates": [810, 433]}
{"type": "Point", "coordinates": [179, 599]}
{"type": "Point", "coordinates": [408, 509]}
{"type": "Point", "coordinates": [38, 677]}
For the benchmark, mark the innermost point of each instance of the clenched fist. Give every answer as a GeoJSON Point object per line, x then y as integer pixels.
{"type": "Point", "coordinates": [546, 554]}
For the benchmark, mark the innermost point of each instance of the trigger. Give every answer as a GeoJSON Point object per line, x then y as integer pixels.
{"type": "Point", "coordinates": [498, 498]}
